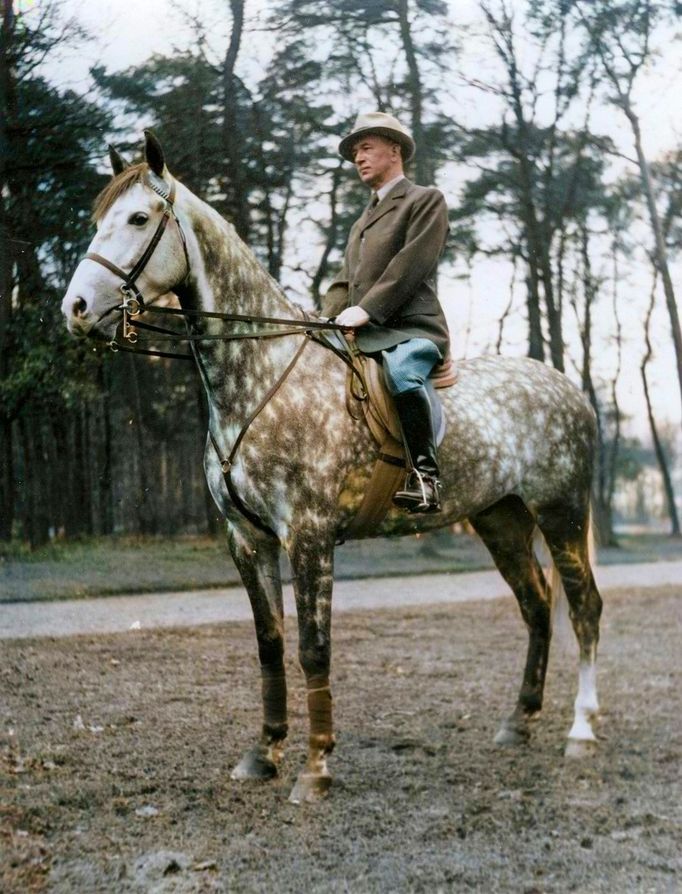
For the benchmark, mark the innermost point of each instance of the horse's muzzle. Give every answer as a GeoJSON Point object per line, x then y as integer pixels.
{"type": "Point", "coordinates": [82, 322]}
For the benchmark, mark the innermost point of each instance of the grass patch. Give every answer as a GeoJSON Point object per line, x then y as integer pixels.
{"type": "Point", "coordinates": [117, 565]}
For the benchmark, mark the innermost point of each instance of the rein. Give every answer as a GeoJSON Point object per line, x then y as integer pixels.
{"type": "Point", "coordinates": [133, 305]}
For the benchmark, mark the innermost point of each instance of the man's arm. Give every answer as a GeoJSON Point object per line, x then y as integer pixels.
{"type": "Point", "coordinates": [426, 234]}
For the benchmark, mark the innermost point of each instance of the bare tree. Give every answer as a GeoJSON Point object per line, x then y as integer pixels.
{"type": "Point", "coordinates": [232, 127]}
{"type": "Point", "coordinates": [7, 107]}
{"type": "Point", "coordinates": [658, 445]}
{"type": "Point", "coordinates": [619, 34]}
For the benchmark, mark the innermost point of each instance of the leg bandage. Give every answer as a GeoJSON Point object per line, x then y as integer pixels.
{"type": "Point", "coordinates": [274, 696]}
{"type": "Point", "coordinates": [320, 711]}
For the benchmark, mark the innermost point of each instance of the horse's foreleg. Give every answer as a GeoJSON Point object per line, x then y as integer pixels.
{"type": "Point", "coordinates": [311, 554]}
{"type": "Point", "coordinates": [257, 558]}
{"type": "Point", "coordinates": [507, 530]}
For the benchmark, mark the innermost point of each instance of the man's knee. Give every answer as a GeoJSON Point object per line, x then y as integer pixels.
{"type": "Point", "coordinates": [408, 365]}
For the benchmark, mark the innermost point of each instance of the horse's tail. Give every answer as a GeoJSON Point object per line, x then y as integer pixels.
{"type": "Point", "coordinates": [561, 622]}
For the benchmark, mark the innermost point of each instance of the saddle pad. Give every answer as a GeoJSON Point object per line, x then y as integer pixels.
{"type": "Point", "coordinates": [382, 419]}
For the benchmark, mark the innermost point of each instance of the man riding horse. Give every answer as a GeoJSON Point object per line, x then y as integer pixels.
{"type": "Point", "coordinates": [386, 290]}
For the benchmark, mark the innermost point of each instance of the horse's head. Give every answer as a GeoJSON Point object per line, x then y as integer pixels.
{"type": "Point", "coordinates": [138, 249]}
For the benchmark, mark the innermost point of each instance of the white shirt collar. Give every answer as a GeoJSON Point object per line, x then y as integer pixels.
{"type": "Point", "coordinates": [383, 191]}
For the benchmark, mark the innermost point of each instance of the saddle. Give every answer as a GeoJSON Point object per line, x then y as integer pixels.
{"type": "Point", "coordinates": [366, 389]}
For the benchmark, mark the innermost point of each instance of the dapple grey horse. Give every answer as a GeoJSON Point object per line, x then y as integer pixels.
{"type": "Point", "coordinates": [517, 456]}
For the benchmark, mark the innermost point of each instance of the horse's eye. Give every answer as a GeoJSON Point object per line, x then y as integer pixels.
{"type": "Point", "coordinates": [139, 219]}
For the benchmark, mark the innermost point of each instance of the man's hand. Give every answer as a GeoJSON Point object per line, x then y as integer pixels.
{"type": "Point", "coordinates": [353, 317]}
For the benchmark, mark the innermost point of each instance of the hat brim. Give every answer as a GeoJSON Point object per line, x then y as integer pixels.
{"type": "Point", "coordinates": [347, 143]}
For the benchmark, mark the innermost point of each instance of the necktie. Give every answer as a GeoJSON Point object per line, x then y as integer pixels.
{"type": "Point", "coordinates": [374, 201]}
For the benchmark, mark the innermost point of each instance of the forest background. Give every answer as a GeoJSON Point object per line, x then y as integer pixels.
{"type": "Point", "coordinates": [549, 125]}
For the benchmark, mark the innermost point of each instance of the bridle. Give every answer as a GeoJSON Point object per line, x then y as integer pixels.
{"type": "Point", "coordinates": [133, 305]}
{"type": "Point", "coordinates": [133, 302]}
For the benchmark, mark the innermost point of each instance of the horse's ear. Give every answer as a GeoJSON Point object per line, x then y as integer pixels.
{"type": "Point", "coordinates": [118, 163]}
{"type": "Point", "coordinates": [153, 153]}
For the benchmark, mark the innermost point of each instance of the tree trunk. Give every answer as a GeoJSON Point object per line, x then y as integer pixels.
{"type": "Point", "coordinates": [615, 440]}
{"type": "Point", "coordinates": [332, 234]}
{"type": "Point", "coordinates": [602, 508]}
{"type": "Point", "coordinates": [660, 250]}
{"type": "Point", "coordinates": [36, 522]}
{"type": "Point", "coordinates": [7, 103]}
{"type": "Point", "coordinates": [556, 341]}
{"type": "Point", "coordinates": [106, 506]}
{"type": "Point", "coordinates": [423, 166]}
{"type": "Point", "coordinates": [536, 345]}
{"type": "Point", "coordinates": [658, 446]}
{"type": "Point", "coordinates": [144, 510]}
{"type": "Point", "coordinates": [6, 478]}
{"type": "Point", "coordinates": [232, 137]}
{"type": "Point", "coordinates": [87, 475]}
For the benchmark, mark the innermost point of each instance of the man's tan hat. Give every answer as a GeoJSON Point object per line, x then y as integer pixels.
{"type": "Point", "coordinates": [382, 125]}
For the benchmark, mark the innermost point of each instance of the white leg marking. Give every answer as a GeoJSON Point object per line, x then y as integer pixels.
{"type": "Point", "coordinates": [586, 705]}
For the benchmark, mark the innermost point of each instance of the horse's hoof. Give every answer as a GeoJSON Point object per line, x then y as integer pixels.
{"type": "Point", "coordinates": [512, 734]}
{"type": "Point", "coordinates": [580, 748]}
{"type": "Point", "coordinates": [256, 764]}
{"type": "Point", "coordinates": [310, 787]}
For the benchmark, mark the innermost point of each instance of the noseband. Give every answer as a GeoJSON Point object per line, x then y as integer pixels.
{"type": "Point", "coordinates": [133, 301]}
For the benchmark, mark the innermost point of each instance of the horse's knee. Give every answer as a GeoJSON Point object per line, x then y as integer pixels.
{"type": "Point", "coordinates": [271, 649]}
{"type": "Point", "coordinates": [315, 656]}
{"type": "Point", "coordinates": [537, 615]}
{"type": "Point", "coordinates": [315, 663]}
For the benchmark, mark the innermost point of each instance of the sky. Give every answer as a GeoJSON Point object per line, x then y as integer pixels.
{"type": "Point", "coordinates": [128, 33]}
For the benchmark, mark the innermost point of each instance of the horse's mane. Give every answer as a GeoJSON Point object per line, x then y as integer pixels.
{"type": "Point", "coordinates": [116, 187]}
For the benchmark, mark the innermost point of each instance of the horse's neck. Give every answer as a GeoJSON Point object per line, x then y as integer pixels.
{"type": "Point", "coordinates": [225, 274]}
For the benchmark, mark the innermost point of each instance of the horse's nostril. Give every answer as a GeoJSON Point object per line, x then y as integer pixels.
{"type": "Point", "coordinates": [79, 308]}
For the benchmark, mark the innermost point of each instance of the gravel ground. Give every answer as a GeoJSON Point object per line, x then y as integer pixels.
{"type": "Point", "coordinates": [116, 754]}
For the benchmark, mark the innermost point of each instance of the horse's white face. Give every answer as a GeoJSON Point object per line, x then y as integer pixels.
{"type": "Point", "coordinates": [94, 293]}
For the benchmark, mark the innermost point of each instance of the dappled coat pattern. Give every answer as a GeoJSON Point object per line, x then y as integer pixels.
{"type": "Point", "coordinates": [516, 458]}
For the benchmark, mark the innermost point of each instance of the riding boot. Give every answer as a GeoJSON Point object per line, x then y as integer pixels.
{"type": "Point", "coordinates": [422, 487]}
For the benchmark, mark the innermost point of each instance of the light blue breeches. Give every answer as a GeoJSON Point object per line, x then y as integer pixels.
{"type": "Point", "coordinates": [408, 365]}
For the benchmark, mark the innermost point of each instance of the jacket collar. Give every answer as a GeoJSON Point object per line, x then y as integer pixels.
{"type": "Point", "coordinates": [388, 202]}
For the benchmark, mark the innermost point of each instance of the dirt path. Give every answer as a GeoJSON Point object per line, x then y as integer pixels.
{"type": "Point", "coordinates": [117, 750]}
{"type": "Point", "coordinates": [120, 613]}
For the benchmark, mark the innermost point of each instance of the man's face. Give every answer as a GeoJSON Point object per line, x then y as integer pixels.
{"type": "Point", "coordinates": [377, 160]}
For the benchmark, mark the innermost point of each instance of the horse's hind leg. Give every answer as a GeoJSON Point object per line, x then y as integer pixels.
{"type": "Point", "coordinates": [566, 530]}
{"type": "Point", "coordinates": [256, 556]}
{"type": "Point", "coordinates": [507, 529]}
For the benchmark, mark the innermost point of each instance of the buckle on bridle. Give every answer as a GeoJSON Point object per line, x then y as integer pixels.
{"type": "Point", "coordinates": [131, 305]}
{"type": "Point", "coordinates": [113, 346]}
{"type": "Point", "coordinates": [129, 332]}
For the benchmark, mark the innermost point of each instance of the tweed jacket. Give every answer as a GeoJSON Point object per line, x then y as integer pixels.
{"type": "Point", "coordinates": [389, 269]}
